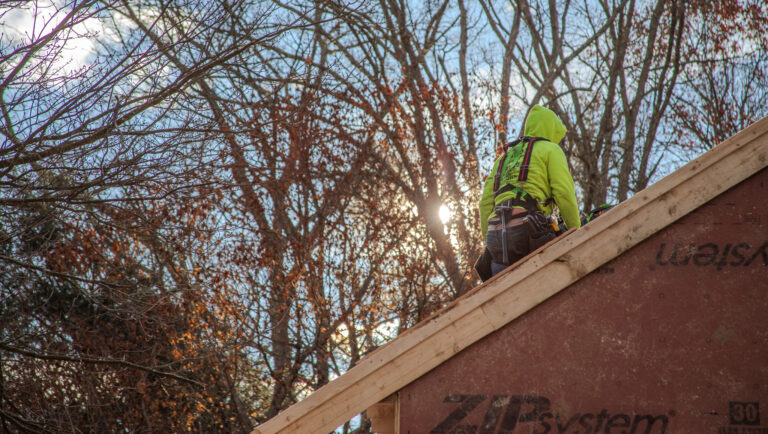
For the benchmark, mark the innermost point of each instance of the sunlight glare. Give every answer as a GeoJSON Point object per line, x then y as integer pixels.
{"type": "Point", "coordinates": [445, 214]}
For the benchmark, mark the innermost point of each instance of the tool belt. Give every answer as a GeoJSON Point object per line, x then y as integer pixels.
{"type": "Point", "coordinates": [515, 217]}
{"type": "Point", "coordinates": [536, 223]}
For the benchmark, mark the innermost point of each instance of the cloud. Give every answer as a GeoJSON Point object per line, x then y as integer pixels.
{"type": "Point", "coordinates": [68, 52]}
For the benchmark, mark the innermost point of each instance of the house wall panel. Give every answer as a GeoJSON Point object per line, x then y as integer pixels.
{"type": "Point", "coordinates": [669, 337]}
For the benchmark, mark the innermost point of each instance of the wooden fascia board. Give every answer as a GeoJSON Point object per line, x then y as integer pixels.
{"type": "Point", "coordinates": [514, 292]}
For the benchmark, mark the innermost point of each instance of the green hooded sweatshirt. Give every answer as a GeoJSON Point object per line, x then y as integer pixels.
{"type": "Point", "coordinates": [548, 174]}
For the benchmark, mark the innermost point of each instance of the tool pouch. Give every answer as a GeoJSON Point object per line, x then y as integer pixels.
{"type": "Point", "coordinates": [539, 230]}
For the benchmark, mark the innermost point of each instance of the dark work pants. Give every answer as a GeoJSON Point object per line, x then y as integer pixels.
{"type": "Point", "coordinates": [519, 244]}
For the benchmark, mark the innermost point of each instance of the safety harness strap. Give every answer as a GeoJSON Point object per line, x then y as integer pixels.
{"type": "Point", "coordinates": [521, 198]}
{"type": "Point", "coordinates": [523, 176]}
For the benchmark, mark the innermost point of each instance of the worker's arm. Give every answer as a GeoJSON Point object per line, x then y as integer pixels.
{"type": "Point", "coordinates": [486, 201]}
{"type": "Point", "coordinates": [563, 190]}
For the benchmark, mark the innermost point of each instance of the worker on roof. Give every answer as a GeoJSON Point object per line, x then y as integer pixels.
{"type": "Point", "coordinates": [528, 178]}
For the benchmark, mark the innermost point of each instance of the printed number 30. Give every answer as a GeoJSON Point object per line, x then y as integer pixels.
{"type": "Point", "coordinates": [745, 413]}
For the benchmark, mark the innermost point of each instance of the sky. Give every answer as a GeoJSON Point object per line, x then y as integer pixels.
{"type": "Point", "coordinates": [24, 24]}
